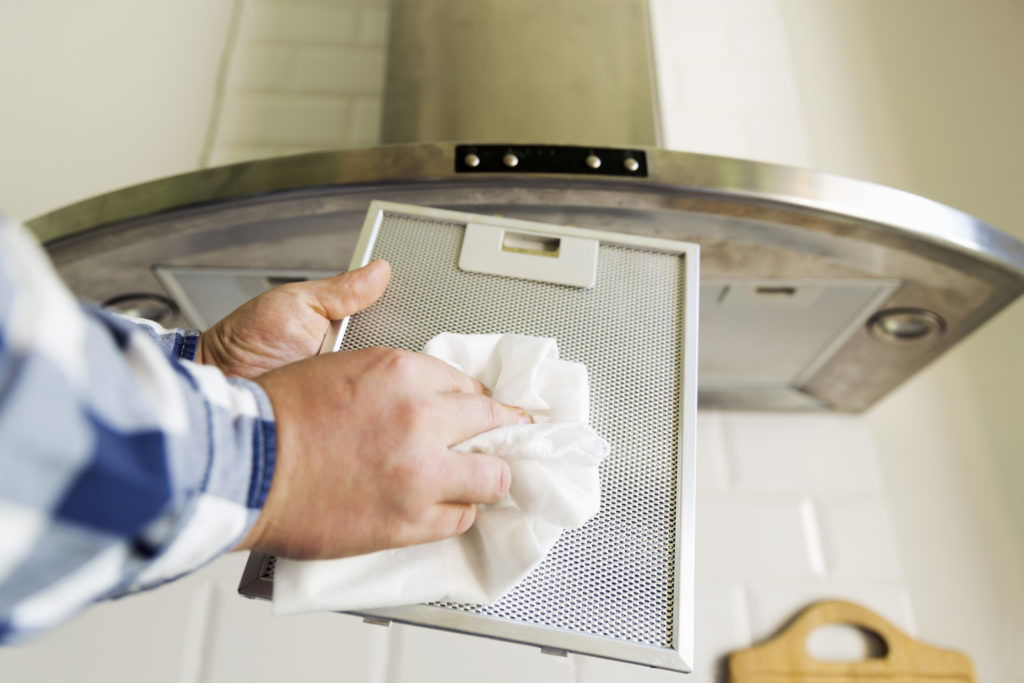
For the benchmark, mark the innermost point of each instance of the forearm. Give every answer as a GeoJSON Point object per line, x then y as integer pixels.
{"type": "Point", "coordinates": [119, 468]}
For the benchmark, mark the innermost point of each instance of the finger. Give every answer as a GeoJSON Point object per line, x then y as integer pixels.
{"type": "Point", "coordinates": [442, 521]}
{"type": "Point", "coordinates": [342, 295]}
{"type": "Point", "coordinates": [465, 415]}
{"type": "Point", "coordinates": [472, 477]}
{"type": "Point", "coordinates": [446, 379]}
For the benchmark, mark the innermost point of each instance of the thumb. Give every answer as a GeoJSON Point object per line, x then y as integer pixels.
{"type": "Point", "coordinates": [341, 295]}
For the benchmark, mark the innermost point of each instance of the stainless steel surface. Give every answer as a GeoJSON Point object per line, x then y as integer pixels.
{"type": "Point", "coordinates": [798, 325]}
{"type": "Point", "coordinates": [754, 222]}
{"type": "Point", "coordinates": [205, 295]}
{"type": "Point", "coordinates": [520, 71]}
{"type": "Point", "coordinates": [621, 585]}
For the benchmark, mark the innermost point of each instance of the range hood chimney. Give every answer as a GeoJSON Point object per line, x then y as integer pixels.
{"type": "Point", "coordinates": [817, 292]}
{"type": "Point", "coordinates": [526, 71]}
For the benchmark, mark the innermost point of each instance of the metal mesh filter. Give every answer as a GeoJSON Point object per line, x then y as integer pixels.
{"type": "Point", "coordinates": [614, 577]}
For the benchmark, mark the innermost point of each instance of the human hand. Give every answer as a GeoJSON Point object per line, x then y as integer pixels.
{"type": "Point", "coordinates": [363, 457]}
{"type": "Point", "coordinates": [289, 322]}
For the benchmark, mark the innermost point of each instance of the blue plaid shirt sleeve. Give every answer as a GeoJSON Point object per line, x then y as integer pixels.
{"type": "Point", "coordinates": [176, 344]}
{"type": "Point", "coordinates": [121, 466]}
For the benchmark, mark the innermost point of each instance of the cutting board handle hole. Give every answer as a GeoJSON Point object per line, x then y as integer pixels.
{"type": "Point", "coordinates": [842, 642]}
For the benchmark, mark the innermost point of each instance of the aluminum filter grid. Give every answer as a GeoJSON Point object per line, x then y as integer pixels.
{"type": "Point", "coordinates": [616, 579]}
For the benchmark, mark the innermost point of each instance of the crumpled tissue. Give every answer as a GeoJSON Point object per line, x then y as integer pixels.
{"type": "Point", "coordinates": [555, 485]}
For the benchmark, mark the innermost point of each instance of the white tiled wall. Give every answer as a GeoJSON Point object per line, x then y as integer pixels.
{"type": "Point", "coordinates": [791, 510]}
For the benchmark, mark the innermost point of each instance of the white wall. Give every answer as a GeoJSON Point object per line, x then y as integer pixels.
{"type": "Point", "coordinates": [99, 95]}
{"type": "Point", "coordinates": [926, 96]}
{"type": "Point", "coordinates": [906, 510]}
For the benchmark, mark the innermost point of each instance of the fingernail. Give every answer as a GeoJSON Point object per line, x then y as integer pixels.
{"type": "Point", "coordinates": [525, 419]}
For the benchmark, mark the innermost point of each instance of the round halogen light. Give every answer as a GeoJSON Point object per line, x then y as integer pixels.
{"type": "Point", "coordinates": [906, 325]}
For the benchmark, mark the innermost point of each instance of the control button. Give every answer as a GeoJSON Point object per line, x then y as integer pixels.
{"type": "Point", "coordinates": [594, 161]}
{"type": "Point", "coordinates": [510, 160]}
{"type": "Point", "coordinates": [631, 164]}
{"type": "Point", "coordinates": [471, 160]}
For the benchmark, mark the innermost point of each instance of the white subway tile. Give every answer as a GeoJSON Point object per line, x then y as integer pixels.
{"type": "Point", "coordinates": [801, 453]}
{"type": "Point", "coordinates": [339, 70]}
{"type": "Point", "coordinates": [714, 85]}
{"type": "Point", "coordinates": [271, 120]}
{"type": "Point", "coordinates": [722, 132]}
{"type": "Point", "coordinates": [753, 9]}
{"type": "Point", "coordinates": [773, 88]}
{"type": "Point", "coordinates": [271, 20]}
{"type": "Point", "coordinates": [670, 13]}
{"type": "Point", "coordinates": [149, 635]}
{"type": "Point", "coordinates": [712, 468]}
{"type": "Point", "coordinates": [249, 643]}
{"type": "Point", "coordinates": [423, 655]}
{"type": "Point", "coordinates": [373, 25]}
{"type": "Point", "coordinates": [779, 138]}
{"type": "Point", "coordinates": [760, 40]}
{"type": "Point", "coordinates": [746, 537]}
{"type": "Point", "coordinates": [773, 604]}
{"type": "Point", "coordinates": [260, 66]}
{"type": "Point", "coordinates": [721, 625]}
{"type": "Point", "coordinates": [695, 39]}
{"type": "Point", "coordinates": [859, 539]}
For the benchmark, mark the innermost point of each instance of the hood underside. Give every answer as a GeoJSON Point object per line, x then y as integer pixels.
{"type": "Point", "coordinates": [817, 292]}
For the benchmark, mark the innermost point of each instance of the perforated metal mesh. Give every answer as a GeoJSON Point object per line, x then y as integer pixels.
{"type": "Point", "coordinates": [614, 577]}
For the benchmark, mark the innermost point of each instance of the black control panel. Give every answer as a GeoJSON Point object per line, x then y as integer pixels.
{"type": "Point", "coordinates": [605, 161]}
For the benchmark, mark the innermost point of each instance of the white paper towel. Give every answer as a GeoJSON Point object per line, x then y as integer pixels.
{"type": "Point", "coordinates": [555, 486]}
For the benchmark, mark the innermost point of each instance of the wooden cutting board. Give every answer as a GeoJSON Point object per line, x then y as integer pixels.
{"type": "Point", "coordinates": [785, 659]}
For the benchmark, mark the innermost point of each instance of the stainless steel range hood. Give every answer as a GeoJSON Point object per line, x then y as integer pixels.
{"type": "Point", "coordinates": [818, 292]}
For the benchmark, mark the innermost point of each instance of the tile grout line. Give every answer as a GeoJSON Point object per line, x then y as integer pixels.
{"type": "Point", "coordinates": [198, 648]}
{"type": "Point", "coordinates": [575, 675]}
{"type": "Point", "coordinates": [392, 652]}
{"type": "Point", "coordinates": [813, 540]}
{"type": "Point", "coordinates": [727, 447]}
